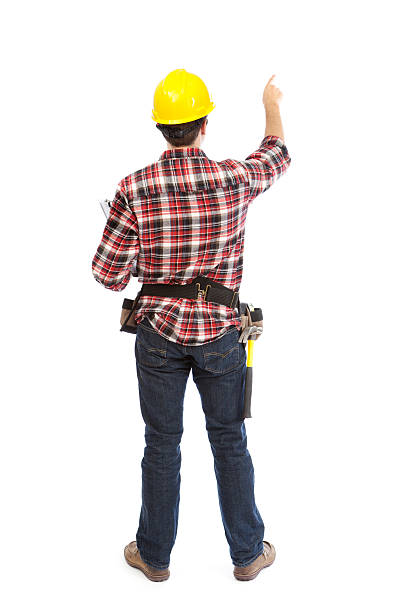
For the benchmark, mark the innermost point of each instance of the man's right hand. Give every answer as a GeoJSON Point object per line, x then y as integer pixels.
{"type": "Point", "coordinates": [271, 99]}
{"type": "Point", "coordinates": [271, 95]}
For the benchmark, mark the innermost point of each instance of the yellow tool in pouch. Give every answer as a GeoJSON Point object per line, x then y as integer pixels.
{"type": "Point", "coordinates": [251, 329]}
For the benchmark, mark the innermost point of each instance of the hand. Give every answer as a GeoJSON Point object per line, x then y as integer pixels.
{"type": "Point", "coordinates": [271, 95]}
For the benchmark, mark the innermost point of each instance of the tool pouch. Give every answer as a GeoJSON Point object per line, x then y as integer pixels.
{"type": "Point", "coordinates": [127, 322]}
{"type": "Point", "coordinates": [251, 322]}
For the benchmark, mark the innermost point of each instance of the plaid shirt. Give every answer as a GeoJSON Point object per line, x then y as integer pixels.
{"type": "Point", "coordinates": [181, 217]}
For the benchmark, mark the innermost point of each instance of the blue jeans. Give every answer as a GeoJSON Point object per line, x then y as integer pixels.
{"type": "Point", "coordinates": [218, 367]}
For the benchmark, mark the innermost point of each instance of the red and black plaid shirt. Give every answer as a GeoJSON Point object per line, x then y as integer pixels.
{"type": "Point", "coordinates": [181, 217]}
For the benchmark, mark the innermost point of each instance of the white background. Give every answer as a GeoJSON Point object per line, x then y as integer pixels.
{"type": "Point", "coordinates": [325, 258]}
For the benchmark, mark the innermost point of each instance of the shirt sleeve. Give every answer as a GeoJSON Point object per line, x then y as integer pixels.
{"type": "Point", "coordinates": [266, 164]}
{"type": "Point", "coordinates": [119, 247]}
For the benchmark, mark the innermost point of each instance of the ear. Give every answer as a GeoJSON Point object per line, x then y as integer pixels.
{"type": "Point", "coordinates": [204, 127]}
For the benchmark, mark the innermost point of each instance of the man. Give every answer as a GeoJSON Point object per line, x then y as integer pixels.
{"type": "Point", "coordinates": [181, 223]}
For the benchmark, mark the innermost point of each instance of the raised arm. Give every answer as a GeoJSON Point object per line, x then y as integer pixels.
{"type": "Point", "coordinates": [271, 160]}
{"type": "Point", "coordinates": [271, 99]}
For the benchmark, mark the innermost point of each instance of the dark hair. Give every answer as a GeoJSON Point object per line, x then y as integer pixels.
{"type": "Point", "coordinates": [182, 134]}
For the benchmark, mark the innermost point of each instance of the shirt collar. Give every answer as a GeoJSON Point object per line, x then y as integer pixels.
{"type": "Point", "coordinates": [179, 152]}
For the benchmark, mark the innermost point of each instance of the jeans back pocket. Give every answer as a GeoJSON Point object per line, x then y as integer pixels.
{"type": "Point", "coordinates": [225, 354]}
{"type": "Point", "coordinates": [150, 347]}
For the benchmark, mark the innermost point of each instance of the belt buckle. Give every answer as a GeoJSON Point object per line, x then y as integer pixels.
{"type": "Point", "coordinates": [202, 292]}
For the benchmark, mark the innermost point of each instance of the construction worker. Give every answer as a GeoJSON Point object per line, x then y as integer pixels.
{"type": "Point", "coordinates": [180, 222]}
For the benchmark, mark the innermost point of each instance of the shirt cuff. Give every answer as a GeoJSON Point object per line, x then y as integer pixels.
{"type": "Point", "coordinates": [272, 140]}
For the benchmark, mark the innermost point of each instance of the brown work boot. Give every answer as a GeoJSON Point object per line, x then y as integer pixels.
{"type": "Point", "coordinates": [134, 559]}
{"type": "Point", "coordinates": [251, 571]}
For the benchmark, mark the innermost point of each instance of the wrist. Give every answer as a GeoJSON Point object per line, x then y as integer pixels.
{"type": "Point", "coordinates": [272, 108]}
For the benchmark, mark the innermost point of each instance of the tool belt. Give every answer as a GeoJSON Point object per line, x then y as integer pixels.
{"type": "Point", "coordinates": [209, 290]}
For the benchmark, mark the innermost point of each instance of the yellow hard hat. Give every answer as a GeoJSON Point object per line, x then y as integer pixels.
{"type": "Point", "coordinates": [181, 97]}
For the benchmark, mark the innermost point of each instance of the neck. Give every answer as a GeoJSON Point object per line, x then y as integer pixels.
{"type": "Point", "coordinates": [171, 148]}
{"type": "Point", "coordinates": [196, 144]}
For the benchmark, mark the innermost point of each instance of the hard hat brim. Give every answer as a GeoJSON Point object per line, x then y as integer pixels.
{"type": "Point", "coordinates": [196, 115]}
